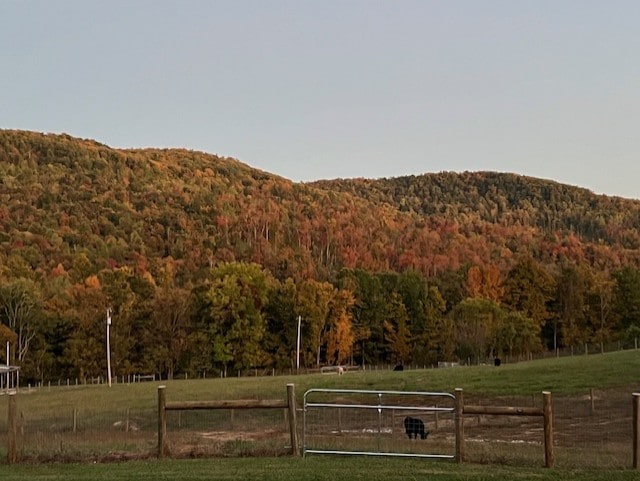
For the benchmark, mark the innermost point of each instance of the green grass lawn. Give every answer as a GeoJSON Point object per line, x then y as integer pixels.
{"type": "Point", "coordinates": [318, 468]}
{"type": "Point", "coordinates": [568, 375]}
{"type": "Point", "coordinates": [48, 413]}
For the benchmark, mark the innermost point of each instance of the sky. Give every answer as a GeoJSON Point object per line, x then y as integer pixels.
{"type": "Point", "coordinates": [339, 88]}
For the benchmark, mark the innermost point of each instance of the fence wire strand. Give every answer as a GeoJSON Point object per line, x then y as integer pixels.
{"type": "Point", "coordinates": [591, 430]}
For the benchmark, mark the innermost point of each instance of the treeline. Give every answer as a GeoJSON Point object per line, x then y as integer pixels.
{"type": "Point", "coordinates": [506, 199]}
{"type": "Point", "coordinates": [61, 197]}
{"type": "Point", "coordinates": [415, 269]}
{"type": "Point", "coordinates": [241, 317]}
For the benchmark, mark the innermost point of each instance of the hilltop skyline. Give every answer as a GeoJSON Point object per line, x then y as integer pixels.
{"type": "Point", "coordinates": [330, 90]}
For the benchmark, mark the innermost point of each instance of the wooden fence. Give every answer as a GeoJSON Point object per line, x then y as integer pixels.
{"type": "Point", "coordinates": [12, 438]}
{"type": "Point", "coordinates": [546, 413]}
{"type": "Point", "coordinates": [163, 406]}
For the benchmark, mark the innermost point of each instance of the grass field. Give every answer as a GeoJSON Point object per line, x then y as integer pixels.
{"type": "Point", "coordinates": [308, 469]}
{"type": "Point", "coordinates": [568, 375]}
{"type": "Point", "coordinates": [101, 412]}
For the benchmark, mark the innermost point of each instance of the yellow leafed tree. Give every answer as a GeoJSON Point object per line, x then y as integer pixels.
{"type": "Point", "coordinates": [340, 336]}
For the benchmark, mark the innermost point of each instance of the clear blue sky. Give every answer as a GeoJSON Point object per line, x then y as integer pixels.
{"type": "Point", "coordinates": [326, 88]}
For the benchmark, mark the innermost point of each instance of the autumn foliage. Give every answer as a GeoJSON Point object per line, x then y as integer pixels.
{"type": "Point", "coordinates": [207, 263]}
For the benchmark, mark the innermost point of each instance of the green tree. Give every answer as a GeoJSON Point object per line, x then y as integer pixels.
{"type": "Point", "coordinates": [516, 334]}
{"type": "Point", "coordinates": [451, 284]}
{"type": "Point", "coordinates": [529, 288]}
{"type": "Point", "coordinates": [21, 311]}
{"type": "Point", "coordinates": [397, 335]}
{"type": "Point", "coordinates": [600, 301]}
{"type": "Point", "coordinates": [429, 340]}
{"type": "Point", "coordinates": [626, 296]}
{"type": "Point", "coordinates": [572, 287]}
{"type": "Point", "coordinates": [237, 297]}
{"type": "Point", "coordinates": [475, 322]}
{"type": "Point", "coordinates": [282, 322]}
{"type": "Point", "coordinates": [84, 349]}
{"type": "Point", "coordinates": [414, 291]}
{"type": "Point", "coordinates": [368, 313]}
{"type": "Point", "coordinates": [313, 305]}
{"type": "Point", "coordinates": [126, 333]}
{"type": "Point", "coordinates": [171, 321]}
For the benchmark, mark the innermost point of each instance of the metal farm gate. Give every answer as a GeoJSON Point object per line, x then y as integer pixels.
{"type": "Point", "coordinates": [362, 422]}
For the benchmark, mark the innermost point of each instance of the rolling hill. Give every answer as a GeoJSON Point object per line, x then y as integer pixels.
{"type": "Point", "coordinates": [386, 270]}
{"type": "Point", "coordinates": [62, 196]}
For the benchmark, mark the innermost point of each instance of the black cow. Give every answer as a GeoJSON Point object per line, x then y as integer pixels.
{"type": "Point", "coordinates": [399, 367]}
{"type": "Point", "coordinates": [414, 428]}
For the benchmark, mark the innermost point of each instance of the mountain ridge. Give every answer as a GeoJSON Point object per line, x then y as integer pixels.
{"type": "Point", "coordinates": [198, 254]}
{"type": "Point", "coordinates": [189, 204]}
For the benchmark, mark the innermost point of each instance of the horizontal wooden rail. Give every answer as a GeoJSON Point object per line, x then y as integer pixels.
{"type": "Point", "coordinates": [546, 413]}
{"type": "Point", "coordinates": [233, 404]}
{"type": "Point", "coordinates": [503, 411]}
{"type": "Point", "coordinates": [163, 406]}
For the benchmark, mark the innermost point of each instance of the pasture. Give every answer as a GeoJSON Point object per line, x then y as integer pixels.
{"type": "Point", "coordinates": [94, 423]}
{"type": "Point", "coordinates": [309, 469]}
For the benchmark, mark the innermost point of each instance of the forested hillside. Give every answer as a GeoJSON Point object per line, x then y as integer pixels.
{"type": "Point", "coordinates": [207, 263]}
{"type": "Point", "coordinates": [508, 200]}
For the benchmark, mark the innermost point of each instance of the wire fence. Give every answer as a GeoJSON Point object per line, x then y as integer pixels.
{"type": "Point", "coordinates": [591, 430]}
{"type": "Point", "coordinates": [228, 432]}
{"type": "Point", "coordinates": [73, 434]}
{"type": "Point", "coordinates": [583, 349]}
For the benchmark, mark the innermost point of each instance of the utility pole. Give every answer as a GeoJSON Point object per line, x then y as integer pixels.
{"type": "Point", "coordinates": [8, 370]}
{"type": "Point", "coordinates": [108, 347]}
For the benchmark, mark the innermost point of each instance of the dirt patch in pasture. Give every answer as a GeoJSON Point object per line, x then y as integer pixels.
{"type": "Point", "coordinates": [112, 457]}
{"type": "Point", "coordinates": [591, 419]}
{"type": "Point", "coordinates": [225, 436]}
{"type": "Point", "coordinates": [235, 443]}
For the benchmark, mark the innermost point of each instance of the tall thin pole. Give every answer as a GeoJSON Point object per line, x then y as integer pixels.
{"type": "Point", "coordinates": [459, 424]}
{"type": "Point", "coordinates": [108, 347]}
{"type": "Point", "coordinates": [8, 370]}
{"type": "Point", "coordinates": [298, 345]}
{"type": "Point", "coordinates": [636, 430]}
{"type": "Point", "coordinates": [162, 422]}
{"type": "Point", "coordinates": [547, 408]}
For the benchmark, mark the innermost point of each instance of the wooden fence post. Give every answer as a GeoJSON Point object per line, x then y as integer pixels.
{"type": "Point", "coordinates": [459, 424]}
{"type": "Point", "coordinates": [293, 427]}
{"type": "Point", "coordinates": [12, 435]}
{"type": "Point", "coordinates": [162, 421]}
{"type": "Point", "coordinates": [548, 429]}
{"type": "Point", "coordinates": [126, 424]}
{"type": "Point", "coordinates": [636, 430]}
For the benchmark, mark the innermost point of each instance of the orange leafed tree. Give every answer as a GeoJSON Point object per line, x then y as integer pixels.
{"type": "Point", "coordinates": [484, 283]}
{"type": "Point", "coordinates": [340, 336]}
